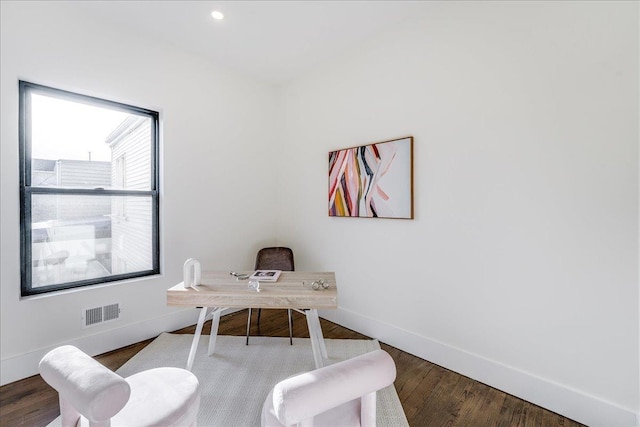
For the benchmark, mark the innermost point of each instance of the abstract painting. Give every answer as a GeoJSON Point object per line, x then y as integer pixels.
{"type": "Point", "coordinates": [372, 181]}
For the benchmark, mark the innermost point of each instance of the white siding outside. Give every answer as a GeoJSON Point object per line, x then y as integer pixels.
{"type": "Point", "coordinates": [132, 220]}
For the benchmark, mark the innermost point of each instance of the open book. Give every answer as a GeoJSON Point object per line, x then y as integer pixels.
{"type": "Point", "coordinates": [266, 275]}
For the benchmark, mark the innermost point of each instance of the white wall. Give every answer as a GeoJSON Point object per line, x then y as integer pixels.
{"type": "Point", "coordinates": [217, 135]}
{"type": "Point", "coordinates": [521, 266]}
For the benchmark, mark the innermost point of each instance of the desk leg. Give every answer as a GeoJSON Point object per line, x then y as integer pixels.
{"type": "Point", "coordinates": [204, 312]}
{"type": "Point", "coordinates": [317, 340]}
{"type": "Point", "coordinates": [215, 323]}
{"type": "Point", "coordinates": [323, 347]}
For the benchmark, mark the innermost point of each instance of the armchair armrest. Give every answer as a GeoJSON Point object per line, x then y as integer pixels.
{"type": "Point", "coordinates": [302, 397]}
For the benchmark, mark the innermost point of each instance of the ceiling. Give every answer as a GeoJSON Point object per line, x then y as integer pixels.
{"type": "Point", "coordinates": [273, 41]}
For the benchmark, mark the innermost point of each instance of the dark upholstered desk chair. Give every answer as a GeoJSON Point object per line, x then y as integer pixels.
{"type": "Point", "coordinates": [276, 258]}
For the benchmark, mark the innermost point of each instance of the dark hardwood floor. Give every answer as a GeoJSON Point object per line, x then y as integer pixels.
{"type": "Point", "coordinates": [431, 395]}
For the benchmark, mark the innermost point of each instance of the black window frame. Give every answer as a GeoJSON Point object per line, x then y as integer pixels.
{"type": "Point", "coordinates": [27, 191]}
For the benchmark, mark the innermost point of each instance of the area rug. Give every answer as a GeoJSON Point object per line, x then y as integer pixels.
{"type": "Point", "coordinates": [236, 379]}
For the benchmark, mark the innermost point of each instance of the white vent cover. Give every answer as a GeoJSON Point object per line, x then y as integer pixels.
{"type": "Point", "coordinates": [95, 315]}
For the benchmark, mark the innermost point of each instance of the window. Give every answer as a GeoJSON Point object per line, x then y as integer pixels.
{"type": "Point", "coordinates": [88, 190]}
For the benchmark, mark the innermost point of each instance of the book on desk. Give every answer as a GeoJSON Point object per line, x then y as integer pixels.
{"type": "Point", "coordinates": [266, 275]}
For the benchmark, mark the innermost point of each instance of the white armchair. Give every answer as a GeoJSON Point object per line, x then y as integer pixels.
{"type": "Point", "coordinates": [343, 394]}
{"type": "Point", "coordinates": [91, 394]}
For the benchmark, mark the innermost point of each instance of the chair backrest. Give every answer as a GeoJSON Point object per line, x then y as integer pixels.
{"type": "Point", "coordinates": [298, 399]}
{"type": "Point", "coordinates": [275, 258]}
{"type": "Point", "coordinates": [86, 387]}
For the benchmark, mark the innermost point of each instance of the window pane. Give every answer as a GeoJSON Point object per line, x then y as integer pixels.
{"type": "Point", "coordinates": [79, 237]}
{"type": "Point", "coordinates": [83, 146]}
{"type": "Point", "coordinates": [89, 210]}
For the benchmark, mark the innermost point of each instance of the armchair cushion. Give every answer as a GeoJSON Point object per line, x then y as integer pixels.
{"type": "Point", "coordinates": [160, 397]}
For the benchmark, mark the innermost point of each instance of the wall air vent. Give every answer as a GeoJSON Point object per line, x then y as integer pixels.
{"type": "Point", "coordinates": [111, 312]}
{"type": "Point", "coordinates": [92, 316]}
{"type": "Point", "coordinates": [96, 315]}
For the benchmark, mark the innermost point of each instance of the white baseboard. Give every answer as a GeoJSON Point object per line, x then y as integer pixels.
{"type": "Point", "coordinates": [564, 400]}
{"type": "Point", "coordinates": [25, 365]}
{"type": "Point", "coordinates": [559, 398]}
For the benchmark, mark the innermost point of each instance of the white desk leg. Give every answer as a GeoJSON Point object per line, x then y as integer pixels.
{"type": "Point", "coordinates": [313, 335]}
{"type": "Point", "coordinates": [318, 329]}
{"type": "Point", "coordinates": [323, 347]}
{"type": "Point", "coordinates": [215, 323]}
{"type": "Point", "coordinates": [317, 339]}
{"type": "Point", "coordinates": [204, 312]}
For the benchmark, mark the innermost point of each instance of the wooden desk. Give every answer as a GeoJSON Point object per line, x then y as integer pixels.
{"type": "Point", "coordinates": [218, 290]}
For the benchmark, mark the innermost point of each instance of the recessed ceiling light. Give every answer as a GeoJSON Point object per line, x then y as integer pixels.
{"type": "Point", "coordinates": [217, 15]}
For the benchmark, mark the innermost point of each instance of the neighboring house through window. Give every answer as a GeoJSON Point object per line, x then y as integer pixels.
{"type": "Point", "coordinates": [88, 189]}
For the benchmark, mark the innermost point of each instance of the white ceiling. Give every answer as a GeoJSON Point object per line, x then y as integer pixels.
{"type": "Point", "coordinates": [271, 40]}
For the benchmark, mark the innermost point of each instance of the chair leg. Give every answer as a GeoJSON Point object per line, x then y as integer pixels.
{"type": "Point", "coordinates": [259, 313]}
{"type": "Point", "coordinates": [248, 325]}
{"type": "Point", "coordinates": [290, 327]}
